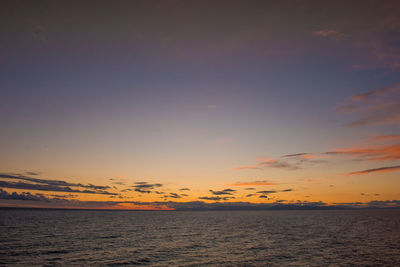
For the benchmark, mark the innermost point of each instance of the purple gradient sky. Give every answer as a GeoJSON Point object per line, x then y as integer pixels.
{"type": "Point", "coordinates": [182, 92]}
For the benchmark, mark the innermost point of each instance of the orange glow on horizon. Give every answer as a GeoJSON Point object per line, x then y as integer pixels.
{"type": "Point", "coordinates": [253, 183]}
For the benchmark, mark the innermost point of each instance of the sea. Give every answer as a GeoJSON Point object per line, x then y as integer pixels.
{"type": "Point", "coordinates": [35, 237]}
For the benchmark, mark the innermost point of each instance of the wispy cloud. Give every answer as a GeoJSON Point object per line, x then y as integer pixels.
{"type": "Point", "coordinates": [142, 191]}
{"type": "Point", "coordinates": [216, 198]}
{"type": "Point", "coordinates": [326, 33]}
{"type": "Point", "coordinates": [384, 138]}
{"type": "Point", "coordinates": [287, 190]}
{"type": "Point", "coordinates": [23, 196]}
{"type": "Point", "coordinates": [371, 153]}
{"type": "Point", "coordinates": [288, 162]}
{"type": "Point", "coordinates": [377, 107]}
{"type": "Point", "coordinates": [45, 187]}
{"type": "Point", "coordinates": [375, 170]}
{"type": "Point", "coordinates": [50, 185]}
{"type": "Point", "coordinates": [371, 94]}
{"type": "Point", "coordinates": [223, 192]}
{"type": "Point", "coordinates": [264, 163]}
{"type": "Point", "coordinates": [144, 187]}
{"type": "Point", "coordinates": [302, 156]}
{"type": "Point", "coordinates": [50, 182]}
{"type": "Point", "coordinates": [174, 195]}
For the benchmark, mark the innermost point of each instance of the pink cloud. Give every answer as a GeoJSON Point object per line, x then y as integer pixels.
{"type": "Point", "coordinates": [333, 34]}
{"type": "Point", "coordinates": [371, 153]}
{"type": "Point", "coordinates": [393, 137]}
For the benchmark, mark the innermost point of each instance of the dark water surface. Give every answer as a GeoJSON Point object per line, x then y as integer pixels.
{"type": "Point", "coordinates": [182, 238]}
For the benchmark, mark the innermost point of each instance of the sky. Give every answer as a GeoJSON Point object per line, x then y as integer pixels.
{"type": "Point", "coordinates": [186, 104]}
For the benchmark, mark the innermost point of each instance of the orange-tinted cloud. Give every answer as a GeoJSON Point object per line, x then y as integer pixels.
{"type": "Point", "coordinates": [374, 153]}
{"type": "Point", "coordinates": [375, 170]}
{"type": "Point", "coordinates": [253, 183]}
{"type": "Point", "coordinates": [303, 156]}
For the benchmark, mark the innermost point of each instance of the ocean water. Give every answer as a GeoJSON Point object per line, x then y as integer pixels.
{"type": "Point", "coordinates": [200, 238]}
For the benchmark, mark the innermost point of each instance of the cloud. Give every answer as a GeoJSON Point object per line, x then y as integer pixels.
{"type": "Point", "coordinates": [393, 137]}
{"type": "Point", "coordinates": [250, 195]}
{"type": "Point", "coordinates": [216, 198]}
{"type": "Point", "coordinates": [184, 189]}
{"type": "Point", "coordinates": [51, 182]}
{"type": "Point", "coordinates": [144, 187]}
{"type": "Point", "coordinates": [332, 34]}
{"type": "Point", "coordinates": [264, 163]}
{"type": "Point", "coordinates": [302, 156]}
{"type": "Point", "coordinates": [385, 203]}
{"type": "Point", "coordinates": [287, 190]}
{"type": "Point", "coordinates": [22, 196]}
{"type": "Point", "coordinates": [212, 106]}
{"type": "Point", "coordinates": [223, 192]}
{"type": "Point", "coordinates": [142, 191]}
{"type": "Point", "coordinates": [250, 188]}
{"type": "Point", "coordinates": [315, 203]}
{"type": "Point", "coordinates": [63, 196]}
{"type": "Point", "coordinates": [371, 41]}
{"type": "Point", "coordinates": [32, 173]}
{"type": "Point", "coordinates": [375, 170]}
{"type": "Point", "coordinates": [263, 196]}
{"type": "Point", "coordinates": [47, 187]}
{"type": "Point", "coordinates": [24, 199]}
{"type": "Point", "coordinates": [256, 183]}
{"type": "Point", "coordinates": [371, 94]}
{"type": "Point", "coordinates": [174, 195]}
{"type": "Point", "coordinates": [370, 153]}
{"type": "Point", "coordinates": [377, 107]}
{"type": "Point", "coordinates": [126, 190]}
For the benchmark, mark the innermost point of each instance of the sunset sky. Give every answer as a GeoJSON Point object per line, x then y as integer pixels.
{"type": "Point", "coordinates": [171, 104]}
